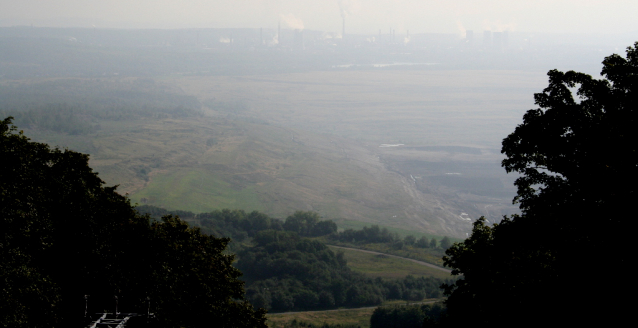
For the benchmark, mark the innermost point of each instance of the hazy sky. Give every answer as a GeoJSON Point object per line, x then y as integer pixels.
{"type": "Point", "coordinates": [362, 16]}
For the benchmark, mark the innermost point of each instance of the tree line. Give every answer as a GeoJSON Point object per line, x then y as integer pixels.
{"type": "Point", "coordinates": [303, 324]}
{"type": "Point", "coordinates": [377, 235]}
{"type": "Point", "coordinates": [241, 226]}
{"type": "Point", "coordinates": [408, 316]}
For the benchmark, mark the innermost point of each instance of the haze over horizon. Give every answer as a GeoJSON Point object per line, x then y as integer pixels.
{"type": "Point", "coordinates": [362, 17]}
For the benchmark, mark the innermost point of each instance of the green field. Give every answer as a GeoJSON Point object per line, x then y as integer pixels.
{"type": "Point", "coordinates": [382, 266]}
{"type": "Point", "coordinates": [198, 191]}
{"type": "Point", "coordinates": [360, 317]}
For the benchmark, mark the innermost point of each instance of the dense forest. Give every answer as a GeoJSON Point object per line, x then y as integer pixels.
{"type": "Point", "coordinates": [409, 316]}
{"type": "Point", "coordinates": [285, 270]}
{"type": "Point", "coordinates": [376, 235]}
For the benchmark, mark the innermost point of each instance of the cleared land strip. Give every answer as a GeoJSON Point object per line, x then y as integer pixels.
{"type": "Point", "coordinates": [399, 257]}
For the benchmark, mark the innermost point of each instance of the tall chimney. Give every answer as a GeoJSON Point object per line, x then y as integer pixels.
{"type": "Point", "coordinates": [279, 34]}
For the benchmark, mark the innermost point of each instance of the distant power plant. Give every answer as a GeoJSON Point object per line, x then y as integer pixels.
{"type": "Point", "coordinates": [487, 38]}
{"type": "Point", "coordinates": [300, 39]}
{"type": "Point", "coordinates": [497, 39]}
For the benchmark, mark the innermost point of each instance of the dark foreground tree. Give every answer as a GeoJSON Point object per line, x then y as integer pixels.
{"type": "Point", "coordinates": [407, 316]}
{"type": "Point", "coordinates": [63, 235]}
{"type": "Point", "coordinates": [566, 257]}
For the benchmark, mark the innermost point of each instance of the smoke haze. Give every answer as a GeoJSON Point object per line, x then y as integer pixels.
{"type": "Point", "coordinates": [562, 16]}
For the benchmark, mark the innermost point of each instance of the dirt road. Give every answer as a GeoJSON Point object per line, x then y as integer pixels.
{"type": "Point", "coordinates": [399, 257]}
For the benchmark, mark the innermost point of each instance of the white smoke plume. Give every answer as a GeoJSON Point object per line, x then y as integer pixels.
{"type": "Point", "coordinates": [349, 7]}
{"type": "Point", "coordinates": [274, 41]}
{"type": "Point", "coordinates": [292, 21]}
{"type": "Point", "coordinates": [461, 29]}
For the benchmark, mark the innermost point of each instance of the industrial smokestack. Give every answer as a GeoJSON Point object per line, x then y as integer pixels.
{"type": "Point", "coordinates": [261, 36]}
{"type": "Point", "coordinates": [279, 33]}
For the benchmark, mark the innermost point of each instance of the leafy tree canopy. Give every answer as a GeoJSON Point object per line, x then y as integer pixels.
{"type": "Point", "coordinates": [63, 235]}
{"type": "Point", "coordinates": [577, 158]}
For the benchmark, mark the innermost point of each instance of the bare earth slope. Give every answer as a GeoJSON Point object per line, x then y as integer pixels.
{"type": "Point", "coordinates": [417, 150]}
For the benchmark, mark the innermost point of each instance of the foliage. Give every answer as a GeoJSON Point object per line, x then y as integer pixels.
{"type": "Point", "coordinates": [301, 324]}
{"type": "Point", "coordinates": [307, 224]}
{"type": "Point", "coordinates": [286, 272]}
{"type": "Point", "coordinates": [579, 168]}
{"type": "Point", "coordinates": [445, 243]}
{"type": "Point", "coordinates": [376, 235]}
{"type": "Point", "coordinates": [239, 225]}
{"type": "Point", "coordinates": [409, 316]}
{"type": "Point", "coordinates": [64, 235]}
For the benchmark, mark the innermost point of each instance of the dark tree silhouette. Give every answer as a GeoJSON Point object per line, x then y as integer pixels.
{"type": "Point", "coordinates": [577, 158]}
{"type": "Point", "coordinates": [63, 235]}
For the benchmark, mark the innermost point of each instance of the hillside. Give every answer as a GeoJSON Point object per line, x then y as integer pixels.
{"type": "Point", "coordinates": [281, 143]}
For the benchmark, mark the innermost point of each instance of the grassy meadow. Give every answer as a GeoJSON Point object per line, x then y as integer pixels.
{"type": "Point", "coordinates": [358, 317]}
{"type": "Point", "coordinates": [382, 266]}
